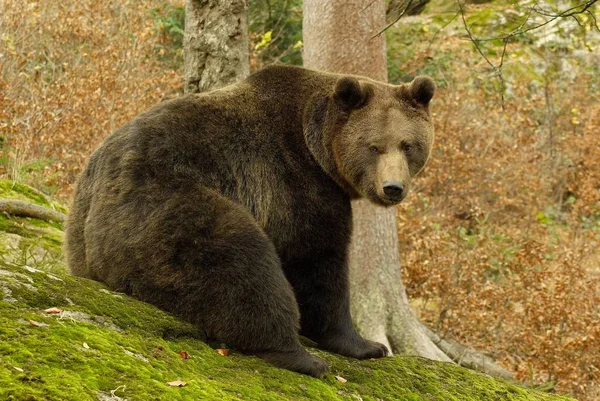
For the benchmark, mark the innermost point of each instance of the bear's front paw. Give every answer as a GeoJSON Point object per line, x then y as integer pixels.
{"type": "Point", "coordinates": [356, 347]}
{"type": "Point", "coordinates": [374, 350]}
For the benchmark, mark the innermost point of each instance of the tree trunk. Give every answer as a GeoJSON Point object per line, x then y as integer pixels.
{"type": "Point", "coordinates": [339, 36]}
{"type": "Point", "coordinates": [215, 44]}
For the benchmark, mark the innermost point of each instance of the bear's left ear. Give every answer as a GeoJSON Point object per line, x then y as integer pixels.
{"type": "Point", "coordinates": [422, 89]}
{"type": "Point", "coordinates": [349, 93]}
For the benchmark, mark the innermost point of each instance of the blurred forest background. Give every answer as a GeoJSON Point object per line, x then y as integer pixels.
{"type": "Point", "coordinates": [500, 240]}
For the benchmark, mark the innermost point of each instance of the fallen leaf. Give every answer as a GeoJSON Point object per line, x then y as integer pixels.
{"type": "Point", "coordinates": [184, 354]}
{"type": "Point", "coordinates": [34, 323]}
{"type": "Point", "coordinates": [53, 311]}
{"type": "Point", "coordinates": [223, 351]}
{"type": "Point", "coordinates": [341, 379]}
{"type": "Point", "coordinates": [177, 383]}
{"type": "Point", "coordinates": [86, 346]}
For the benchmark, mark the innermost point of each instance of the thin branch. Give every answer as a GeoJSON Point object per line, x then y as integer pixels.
{"type": "Point", "coordinates": [570, 12]}
{"type": "Point", "coordinates": [368, 5]}
{"type": "Point", "coordinates": [497, 70]}
{"type": "Point", "coordinates": [594, 19]}
{"type": "Point", "coordinates": [577, 20]}
{"type": "Point", "coordinates": [396, 20]}
{"type": "Point", "coordinates": [503, 54]}
{"type": "Point", "coordinates": [565, 13]}
{"type": "Point", "coordinates": [442, 28]}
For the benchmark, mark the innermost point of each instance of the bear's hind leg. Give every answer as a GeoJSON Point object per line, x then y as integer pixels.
{"type": "Point", "coordinates": [226, 277]}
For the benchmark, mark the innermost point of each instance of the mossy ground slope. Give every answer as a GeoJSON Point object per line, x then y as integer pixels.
{"type": "Point", "coordinates": [105, 345]}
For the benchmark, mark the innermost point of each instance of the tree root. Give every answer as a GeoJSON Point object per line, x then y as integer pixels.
{"type": "Point", "coordinates": [380, 307]}
{"type": "Point", "coordinates": [25, 209]}
{"type": "Point", "coordinates": [468, 357]}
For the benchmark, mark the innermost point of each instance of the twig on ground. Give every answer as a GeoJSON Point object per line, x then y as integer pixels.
{"type": "Point", "coordinates": [26, 209]}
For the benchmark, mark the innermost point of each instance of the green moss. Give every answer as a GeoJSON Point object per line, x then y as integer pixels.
{"type": "Point", "coordinates": [15, 190]}
{"type": "Point", "coordinates": [107, 343]}
{"type": "Point", "coordinates": [133, 346]}
{"type": "Point", "coordinates": [31, 242]}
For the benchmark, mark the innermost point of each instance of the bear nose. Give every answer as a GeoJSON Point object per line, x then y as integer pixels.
{"type": "Point", "coordinates": [393, 189]}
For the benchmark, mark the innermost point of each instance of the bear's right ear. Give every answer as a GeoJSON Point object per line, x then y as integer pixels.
{"type": "Point", "coordinates": [422, 89]}
{"type": "Point", "coordinates": [349, 94]}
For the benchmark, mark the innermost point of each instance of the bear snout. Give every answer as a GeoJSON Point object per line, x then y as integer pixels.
{"type": "Point", "coordinates": [393, 189]}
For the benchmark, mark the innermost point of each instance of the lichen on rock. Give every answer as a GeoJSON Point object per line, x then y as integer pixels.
{"type": "Point", "coordinates": [107, 346]}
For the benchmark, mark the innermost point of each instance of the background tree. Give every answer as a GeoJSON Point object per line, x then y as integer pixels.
{"type": "Point", "coordinates": [342, 36]}
{"type": "Point", "coordinates": [215, 44]}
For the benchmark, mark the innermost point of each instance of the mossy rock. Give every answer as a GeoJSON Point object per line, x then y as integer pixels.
{"type": "Point", "coordinates": [107, 346]}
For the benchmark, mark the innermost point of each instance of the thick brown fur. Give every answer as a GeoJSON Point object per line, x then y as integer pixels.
{"type": "Point", "coordinates": [231, 209]}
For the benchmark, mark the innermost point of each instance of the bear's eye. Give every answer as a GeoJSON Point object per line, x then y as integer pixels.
{"type": "Point", "coordinates": [407, 147]}
{"type": "Point", "coordinates": [374, 149]}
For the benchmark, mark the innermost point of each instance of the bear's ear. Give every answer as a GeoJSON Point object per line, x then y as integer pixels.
{"type": "Point", "coordinates": [422, 89]}
{"type": "Point", "coordinates": [349, 93]}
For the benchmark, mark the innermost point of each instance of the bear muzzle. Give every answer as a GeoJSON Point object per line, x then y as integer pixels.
{"type": "Point", "coordinates": [393, 190]}
{"type": "Point", "coordinates": [393, 178]}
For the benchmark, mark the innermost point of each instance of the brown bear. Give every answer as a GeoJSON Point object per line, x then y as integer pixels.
{"type": "Point", "coordinates": [231, 209]}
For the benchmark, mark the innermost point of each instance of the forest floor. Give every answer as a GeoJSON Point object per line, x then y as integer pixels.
{"type": "Point", "coordinates": [500, 240]}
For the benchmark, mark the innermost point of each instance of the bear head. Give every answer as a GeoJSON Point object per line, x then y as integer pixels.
{"type": "Point", "coordinates": [372, 138]}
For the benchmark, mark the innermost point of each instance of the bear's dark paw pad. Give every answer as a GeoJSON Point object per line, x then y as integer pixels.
{"type": "Point", "coordinates": [298, 361]}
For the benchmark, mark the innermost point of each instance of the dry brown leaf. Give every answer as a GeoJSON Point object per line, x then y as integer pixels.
{"type": "Point", "coordinates": [223, 351]}
{"type": "Point", "coordinates": [341, 379]}
{"type": "Point", "coordinates": [34, 323]}
{"type": "Point", "coordinates": [53, 311]}
{"type": "Point", "coordinates": [177, 383]}
{"type": "Point", "coordinates": [184, 354]}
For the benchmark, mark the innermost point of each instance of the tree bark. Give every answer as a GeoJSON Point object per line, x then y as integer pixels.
{"type": "Point", "coordinates": [215, 44]}
{"type": "Point", "coordinates": [340, 36]}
